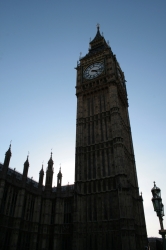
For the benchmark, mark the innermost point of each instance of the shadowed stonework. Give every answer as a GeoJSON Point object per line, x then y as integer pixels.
{"type": "Point", "coordinates": [103, 209]}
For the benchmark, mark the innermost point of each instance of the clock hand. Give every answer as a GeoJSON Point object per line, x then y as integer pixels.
{"type": "Point", "coordinates": [93, 70]}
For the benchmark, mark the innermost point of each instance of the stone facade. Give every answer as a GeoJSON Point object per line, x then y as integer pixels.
{"type": "Point", "coordinates": [103, 209]}
{"type": "Point", "coordinates": [33, 216]}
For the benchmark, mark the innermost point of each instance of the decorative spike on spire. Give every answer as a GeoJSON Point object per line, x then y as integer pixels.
{"type": "Point", "coordinates": [51, 155]}
{"type": "Point", "coordinates": [98, 26]}
{"type": "Point", "coordinates": [98, 40]}
{"type": "Point", "coordinates": [50, 162]}
{"type": "Point", "coordinates": [8, 155]}
{"type": "Point", "coordinates": [96, 45]}
{"type": "Point", "coordinates": [26, 163]}
{"type": "Point", "coordinates": [59, 178]}
{"type": "Point", "coordinates": [41, 175]}
{"type": "Point", "coordinates": [59, 173]}
{"type": "Point", "coordinates": [42, 170]}
{"type": "Point", "coordinates": [9, 150]}
{"type": "Point", "coordinates": [25, 170]}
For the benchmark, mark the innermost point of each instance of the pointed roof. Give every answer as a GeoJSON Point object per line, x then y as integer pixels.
{"type": "Point", "coordinates": [26, 163]}
{"type": "Point", "coordinates": [59, 174]}
{"type": "Point", "coordinates": [50, 162]}
{"type": "Point", "coordinates": [98, 37]}
{"type": "Point", "coordinates": [98, 44]}
{"type": "Point", "coordinates": [8, 152]}
{"type": "Point", "coordinates": [41, 171]}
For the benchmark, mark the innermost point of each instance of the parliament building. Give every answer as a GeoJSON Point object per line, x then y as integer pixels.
{"type": "Point", "coordinates": [103, 208]}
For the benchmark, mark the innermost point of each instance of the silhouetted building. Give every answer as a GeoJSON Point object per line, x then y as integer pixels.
{"type": "Point", "coordinates": [103, 208]}
{"type": "Point", "coordinates": [155, 243]}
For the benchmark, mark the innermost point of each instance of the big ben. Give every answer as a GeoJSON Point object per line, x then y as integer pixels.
{"type": "Point", "coordinates": [109, 209]}
{"type": "Point", "coordinates": [103, 208]}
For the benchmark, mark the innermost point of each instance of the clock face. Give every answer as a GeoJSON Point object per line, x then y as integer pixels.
{"type": "Point", "coordinates": [93, 70]}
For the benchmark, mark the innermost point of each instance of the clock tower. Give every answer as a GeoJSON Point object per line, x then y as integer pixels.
{"type": "Point", "coordinates": [108, 210]}
{"type": "Point", "coordinates": [103, 208]}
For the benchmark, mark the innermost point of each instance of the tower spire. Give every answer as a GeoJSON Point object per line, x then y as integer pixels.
{"type": "Point", "coordinates": [41, 175]}
{"type": "Point", "coordinates": [8, 155]}
{"type": "Point", "coordinates": [26, 167]}
{"type": "Point", "coordinates": [108, 167]}
{"type": "Point", "coordinates": [59, 178]}
{"type": "Point", "coordinates": [50, 162]}
{"type": "Point", "coordinates": [97, 44]}
{"type": "Point", "coordinates": [49, 173]}
{"type": "Point", "coordinates": [98, 35]}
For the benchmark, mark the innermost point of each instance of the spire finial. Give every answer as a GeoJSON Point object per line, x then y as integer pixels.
{"type": "Point", "coordinates": [28, 156]}
{"type": "Point", "coordinates": [154, 184]}
{"type": "Point", "coordinates": [98, 26]}
{"type": "Point", "coordinates": [10, 144]}
{"type": "Point", "coordinates": [26, 163]}
{"type": "Point", "coordinates": [51, 153]}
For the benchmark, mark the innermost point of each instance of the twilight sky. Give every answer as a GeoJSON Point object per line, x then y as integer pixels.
{"type": "Point", "coordinates": [40, 43]}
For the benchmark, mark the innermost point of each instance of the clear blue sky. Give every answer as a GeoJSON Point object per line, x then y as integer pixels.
{"type": "Point", "coordinates": [40, 43]}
